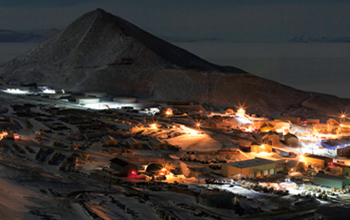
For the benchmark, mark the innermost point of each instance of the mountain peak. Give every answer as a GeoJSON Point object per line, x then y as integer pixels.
{"type": "Point", "coordinates": [98, 12]}
{"type": "Point", "coordinates": [168, 54]}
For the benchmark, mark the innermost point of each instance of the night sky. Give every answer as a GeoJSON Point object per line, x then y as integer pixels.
{"type": "Point", "coordinates": [232, 20]}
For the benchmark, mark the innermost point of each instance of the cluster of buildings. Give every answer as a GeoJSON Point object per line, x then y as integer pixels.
{"type": "Point", "coordinates": [150, 165]}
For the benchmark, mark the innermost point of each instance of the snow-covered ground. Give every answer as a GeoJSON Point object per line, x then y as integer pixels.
{"type": "Point", "coordinates": [201, 142]}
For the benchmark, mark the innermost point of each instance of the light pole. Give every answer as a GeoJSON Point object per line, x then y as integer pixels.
{"type": "Point", "coordinates": [342, 118]}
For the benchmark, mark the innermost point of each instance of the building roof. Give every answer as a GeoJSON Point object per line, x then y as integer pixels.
{"type": "Point", "coordinates": [344, 148]}
{"type": "Point", "coordinates": [107, 138]}
{"type": "Point", "coordinates": [289, 135]}
{"type": "Point", "coordinates": [337, 142]}
{"type": "Point", "coordinates": [272, 133]}
{"type": "Point", "coordinates": [154, 167]}
{"type": "Point", "coordinates": [317, 156]}
{"type": "Point", "coordinates": [132, 141]}
{"type": "Point", "coordinates": [156, 141]}
{"type": "Point", "coordinates": [119, 162]}
{"type": "Point", "coordinates": [255, 143]}
{"type": "Point", "coordinates": [251, 163]}
{"type": "Point", "coordinates": [141, 163]}
{"type": "Point", "coordinates": [330, 177]}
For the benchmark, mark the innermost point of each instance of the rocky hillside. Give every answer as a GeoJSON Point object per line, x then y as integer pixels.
{"type": "Point", "coordinates": [102, 52]}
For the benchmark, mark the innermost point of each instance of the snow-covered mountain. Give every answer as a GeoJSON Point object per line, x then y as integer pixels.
{"type": "Point", "coordinates": [102, 52]}
{"type": "Point", "coordinates": [305, 39]}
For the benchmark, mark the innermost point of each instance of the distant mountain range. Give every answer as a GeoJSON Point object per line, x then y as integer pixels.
{"type": "Point", "coordinates": [103, 52]}
{"type": "Point", "coordinates": [7, 36]}
{"type": "Point", "coordinates": [37, 36]}
{"type": "Point", "coordinates": [192, 39]}
{"type": "Point", "coordinates": [305, 39]}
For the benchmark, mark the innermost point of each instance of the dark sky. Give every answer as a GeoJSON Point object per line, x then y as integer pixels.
{"type": "Point", "coordinates": [236, 20]}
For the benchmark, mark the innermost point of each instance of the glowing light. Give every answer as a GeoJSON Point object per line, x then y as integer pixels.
{"type": "Point", "coordinates": [15, 91]}
{"type": "Point", "coordinates": [16, 136]}
{"type": "Point", "coordinates": [342, 116]}
{"type": "Point", "coordinates": [243, 120]}
{"type": "Point", "coordinates": [153, 126]}
{"type": "Point", "coordinates": [163, 171]}
{"type": "Point", "coordinates": [169, 112]}
{"type": "Point", "coordinates": [101, 106]}
{"type": "Point", "coordinates": [262, 146]}
{"type": "Point", "coordinates": [3, 134]}
{"type": "Point", "coordinates": [240, 112]}
{"type": "Point", "coordinates": [133, 173]}
{"type": "Point", "coordinates": [301, 158]}
{"type": "Point", "coordinates": [49, 91]}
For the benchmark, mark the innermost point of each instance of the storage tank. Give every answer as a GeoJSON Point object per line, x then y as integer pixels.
{"type": "Point", "coordinates": [96, 94]}
{"type": "Point", "coordinates": [87, 100]}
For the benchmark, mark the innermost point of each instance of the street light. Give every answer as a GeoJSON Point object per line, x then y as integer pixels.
{"type": "Point", "coordinates": [198, 125]}
{"type": "Point", "coordinates": [169, 112]}
{"type": "Point", "coordinates": [342, 117]}
{"type": "Point", "coordinates": [154, 125]}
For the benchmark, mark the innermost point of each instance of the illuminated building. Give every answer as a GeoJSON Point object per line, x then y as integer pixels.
{"type": "Point", "coordinates": [258, 148]}
{"type": "Point", "coordinates": [250, 168]}
{"type": "Point", "coordinates": [316, 160]}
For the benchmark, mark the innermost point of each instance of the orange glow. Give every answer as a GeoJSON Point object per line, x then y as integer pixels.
{"type": "Point", "coordinates": [16, 136]}
{"type": "Point", "coordinates": [3, 134]}
{"type": "Point", "coordinates": [163, 172]}
{"type": "Point", "coordinates": [154, 125]}
{"type": "Point", "coordinates": [241, 112]}
{"type": "Point", "coordinates": [169, 112]}
{"type": "Point", "coordinates": [301, 158]}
